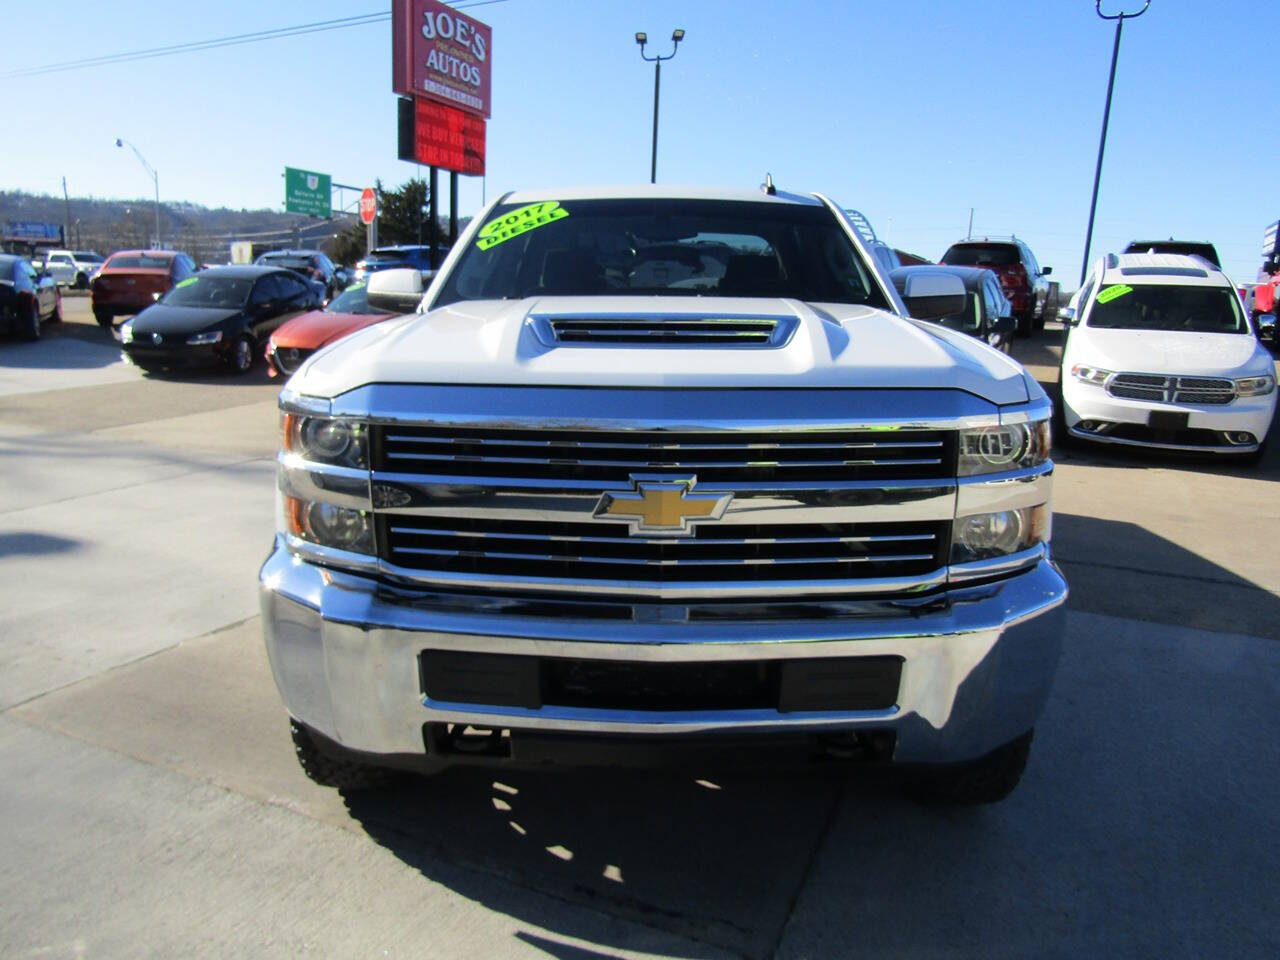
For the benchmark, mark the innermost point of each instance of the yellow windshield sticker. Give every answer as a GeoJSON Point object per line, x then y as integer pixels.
{"type": "Point", "coordinates": [186, 283]}
{"type": "Point", "coordinates": [519, 221]}
{"type": "Point", "coordinates": [1114, 293]}
{"type": "Point", "coordinates": [358, 285]}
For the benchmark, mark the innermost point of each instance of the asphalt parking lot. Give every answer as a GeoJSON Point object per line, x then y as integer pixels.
{"type": "Point", "coordinates": [152, 805]}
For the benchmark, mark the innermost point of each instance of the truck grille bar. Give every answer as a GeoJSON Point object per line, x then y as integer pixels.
{"type": "Point", "coordinates": [601, 551]}
{"type": "Point", "coordinates": [720, 459]}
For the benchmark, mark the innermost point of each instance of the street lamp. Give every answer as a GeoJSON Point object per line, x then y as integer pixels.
{"type": "Point", "coordinates": [154, 176]}
{"type": "Point", "coordinates": [1119, 18]}
{"type": "Point", "coordinates": [642, 39]}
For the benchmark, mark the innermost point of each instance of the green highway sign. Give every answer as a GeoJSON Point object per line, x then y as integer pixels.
{"type": "Point", "coordinates": [306, 192]}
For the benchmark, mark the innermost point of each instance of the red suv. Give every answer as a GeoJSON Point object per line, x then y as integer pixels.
{"type": "Point", "coordinates": [1021, 277]}
{"type": "Point", "coordinates": [132, 280]}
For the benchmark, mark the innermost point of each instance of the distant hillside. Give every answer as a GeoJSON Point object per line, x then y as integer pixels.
{"type": "Point", "coordinates": [106, 225]}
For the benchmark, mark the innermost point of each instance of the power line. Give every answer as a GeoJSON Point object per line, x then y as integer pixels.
{"type": "Point", "coordinates": [279, 33]}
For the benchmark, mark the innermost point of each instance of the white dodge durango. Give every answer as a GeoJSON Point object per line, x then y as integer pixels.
{"type": "Point", "coordinates": [1160, 353]}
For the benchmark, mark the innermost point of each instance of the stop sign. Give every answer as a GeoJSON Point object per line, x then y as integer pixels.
{"type": "Point", "coordinates": [368, 205]}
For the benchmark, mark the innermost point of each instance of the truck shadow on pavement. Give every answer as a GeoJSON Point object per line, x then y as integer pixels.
{"type": "Point", "coordinates": [718, 861]}
{"type": "Point", "coordinates": [1121, 824]}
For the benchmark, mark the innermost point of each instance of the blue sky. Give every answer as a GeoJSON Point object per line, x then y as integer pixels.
{"type": "Point", "coordinates": [912, 112]}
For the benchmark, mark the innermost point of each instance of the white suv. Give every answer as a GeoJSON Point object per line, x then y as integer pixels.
{"type": "Point", "coordinates": [1160, 353]}
{"type": "Point", "coordinates": [72, 268]}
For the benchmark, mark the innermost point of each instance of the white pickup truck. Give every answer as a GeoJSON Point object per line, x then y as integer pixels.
{"type": "Point", "coordinates": [658, 475]}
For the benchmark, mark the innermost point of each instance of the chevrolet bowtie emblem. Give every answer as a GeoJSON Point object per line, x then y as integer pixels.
{"type": "Point", "coordinates": [662, 506]}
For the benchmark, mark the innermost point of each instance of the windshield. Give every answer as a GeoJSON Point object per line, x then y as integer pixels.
{"type": "Point", "coordinates": [289, 263]}
{"type": "Point", "coordinates": [1168, 307]}
{"type": "Point", "coordinates": [717, 248]}
{"type": "Point", "coordinates": [970, 256]}
{"type": "Point", "coordinates": [138, 261]}
{"type": "Point", "coordinates": [206, 291]}
{"type": "Point", "coordinates": [379, 256]}
{"type": "Point", "coordinates": [354, 299]}
{"type": "Point", "coordinates": [88, 257]}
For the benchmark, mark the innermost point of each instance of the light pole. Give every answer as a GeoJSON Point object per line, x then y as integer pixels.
{"type": "Point", "coordinates": [1119, 18]}
{"type": "Point", "coordinates": [154, 176]}
{"type": "Point", "coordinates": [642, 39]}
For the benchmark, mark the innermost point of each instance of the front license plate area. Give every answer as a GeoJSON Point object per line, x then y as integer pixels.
{"type": "Point", "coordinates": [1167, 420]}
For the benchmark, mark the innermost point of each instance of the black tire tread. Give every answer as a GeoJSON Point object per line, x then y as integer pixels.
{"type": "Point", "coordinates": [986, 780]}
{"type": "Point", "coordinates": [329, 771]}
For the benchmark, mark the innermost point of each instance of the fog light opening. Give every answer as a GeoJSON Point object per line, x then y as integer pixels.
{"type": "Point", "coordinates": [1240, 438]}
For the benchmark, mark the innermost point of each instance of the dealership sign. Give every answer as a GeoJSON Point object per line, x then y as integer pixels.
{"type": "Point", "coordinates": [448, 138]}
{"type": "Point", "coordinates": [441, 54]}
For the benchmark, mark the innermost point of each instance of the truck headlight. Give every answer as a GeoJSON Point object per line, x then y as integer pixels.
{"type": "Point", "coordinates": [1087, 374]}
{"type": "Point", "coordinates": [209, 336]}
{"type": "Point", "coordinates": [986, 535]}
{"type": "Point", "coordinates": [342, 443]}
{"type": "Point", "coordinates": [1006, 446]}
{"type": "Point", "coordinates": [1255, 386]}
{"type": "Point", "coordinates": [329, 525]}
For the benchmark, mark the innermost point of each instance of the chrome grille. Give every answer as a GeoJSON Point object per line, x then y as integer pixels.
{"type": "Point", "coordinates": [598, 551]}
{"type": "Point", "coordinates": [1162, 389]}
{"type": "Point", "coordinates": [651, 331]}
{"type": "Point", "coordinates": [723, 460]}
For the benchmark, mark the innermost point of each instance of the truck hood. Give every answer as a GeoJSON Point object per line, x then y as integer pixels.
{"type": "Point", "coordinates": [494, 342]}
{"type": "Point", "coordinates": [1170, 353]}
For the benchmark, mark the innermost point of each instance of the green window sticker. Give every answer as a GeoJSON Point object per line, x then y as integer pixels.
{"type": "Point", "coordinates": [1114, 293]}
{"type": "Point", "coordinates": [185, 283]}
{"type": "Point", "coordinates": [520, 221]}
{"type": "Point", "coordinates": [358, 285]}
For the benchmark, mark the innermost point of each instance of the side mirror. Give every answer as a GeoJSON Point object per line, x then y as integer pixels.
{"type": "Point", "coordinates": [1267, 326]}
{"type": "Point", "coordinates": [1067, 315]}
{"type": "Point", "coordinates": [930, 296]}
{"type": "Point", "coordinates": [1003, 325]}
{"type": "Point", "coordinates": [1047, 270]}
{"type": "Point", "coordinates": [397, 291]}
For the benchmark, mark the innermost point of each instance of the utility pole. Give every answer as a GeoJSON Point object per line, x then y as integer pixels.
{"type": "Point", "coordinates": [154, 176]}
{"type": "Point", "coordinates": [969, 235]}
{"type": "Point", "coordinates": [1119, 18]}
{"type": "Point", "coordinates": [642, 39]}
{"type": "Point", "coordinates": [66, 229]}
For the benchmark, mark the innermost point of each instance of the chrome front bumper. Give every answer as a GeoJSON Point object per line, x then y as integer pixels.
{"type": "Point", "coordinates": [978, 660]}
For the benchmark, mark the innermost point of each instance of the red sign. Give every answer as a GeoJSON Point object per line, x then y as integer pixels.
{"type": "Point", "coordinates": [448, 138]}
{"type": "Point", "coordinates": [368, 206]}
{"type": "Point", "coordinates": [440, 53]}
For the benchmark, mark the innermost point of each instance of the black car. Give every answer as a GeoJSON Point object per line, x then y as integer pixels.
{"type": "Point", "coordinates": [27, 297]}
{"type": "Point", "coordinates": [987, 314]}
{"type": "Point", "coordinates": [308, 264]}
{"type": "Point", "coordinates": [219, 316]}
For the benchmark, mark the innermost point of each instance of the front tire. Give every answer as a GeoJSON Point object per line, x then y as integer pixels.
{"type": "Point", "coordinates": [82, 281]}
{"type": "Point", "coordinates": [30, 329]}
{"type": "Point", "coordinates": [242, 355]}
{"type": "Point", "coordinates": [988, 779]}
{"type": "Point", "coordinates": [329, 771]}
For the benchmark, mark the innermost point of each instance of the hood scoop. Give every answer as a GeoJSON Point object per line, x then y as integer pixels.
{"type": "Point", "coordinates": [662, 330]}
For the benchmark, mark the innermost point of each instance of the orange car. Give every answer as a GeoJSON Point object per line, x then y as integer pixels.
{"type": "Point", "coordinates": [304, 335]}
{"type": "Point", "coordinates": [132, 280]}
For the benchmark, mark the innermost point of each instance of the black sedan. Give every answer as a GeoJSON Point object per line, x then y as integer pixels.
{"type": "Point", "coordinates": [27, 297]}
{"type": "Point", "coordinates": [219, 316]}
{"type": "Point", "coordinates": [987, 313]}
